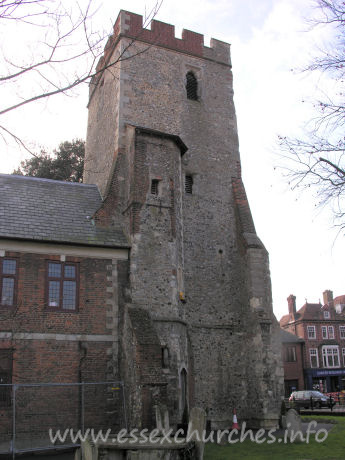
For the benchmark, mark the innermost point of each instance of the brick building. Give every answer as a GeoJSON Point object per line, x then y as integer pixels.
{"type": "Point", "coordinates": [156, 270]}
{"type": "Point", "coordinates": [292, 354]}
{"type": "Point", "coordinates": [323, 329]}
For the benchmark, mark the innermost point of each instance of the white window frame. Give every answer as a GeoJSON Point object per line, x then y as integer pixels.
{"type": "Point", "coordinates": [309, 329]}
{"type": "Point", "coordinates": [343, 353]}
{"type": "Point", "coordinates": [329, 351]}
{"type": "Point", "coordinates": [324, 332]}
{"type": "Point", "coordinates": [342, 332]}
{"type": "Point", "coordinates": [313, 352]}
{"type": "Point", "coordinates": [326, 314]}
{"type": "Point", "coordinates": [330, 332]}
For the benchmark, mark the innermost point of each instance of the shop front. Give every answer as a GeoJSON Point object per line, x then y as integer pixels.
{"type": "Point", "coordinates": [325, 380]}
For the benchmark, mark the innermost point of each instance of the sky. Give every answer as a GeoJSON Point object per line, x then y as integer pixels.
{"type": "Point", "coordinates": [270, 41]}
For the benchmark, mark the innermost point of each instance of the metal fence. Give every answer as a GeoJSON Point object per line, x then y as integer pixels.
{"type": "Point", "coordinates": [32, 414]}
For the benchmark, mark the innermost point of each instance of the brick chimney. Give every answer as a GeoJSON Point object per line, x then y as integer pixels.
{"type": "Point", "coordinates": [292, 306]}
{"type": "Point", "coordinates": [327, 297]}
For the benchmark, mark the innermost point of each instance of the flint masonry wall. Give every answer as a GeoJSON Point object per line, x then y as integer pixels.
{"type": "Point", "coordinates": [213, 254]}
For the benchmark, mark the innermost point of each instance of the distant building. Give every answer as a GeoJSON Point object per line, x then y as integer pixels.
{"type": "Point", "coordinates": [323, 329]}
{"type": "Point", "coordinates": [292, 355]}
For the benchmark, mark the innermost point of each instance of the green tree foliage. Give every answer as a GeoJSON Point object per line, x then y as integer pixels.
{"type": "Point", "coordinates": [66, 163]}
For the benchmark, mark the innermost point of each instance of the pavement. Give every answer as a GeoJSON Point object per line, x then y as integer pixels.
{"type": "Point", "coordinates": [42, 456]}
{"type": "Point", "coordinates": [336, 410]}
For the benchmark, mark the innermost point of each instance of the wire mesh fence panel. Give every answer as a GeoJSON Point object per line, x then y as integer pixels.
{"type": "Point", "coordinates": [39, 409]}
{"type": "Point", "coordinates": [6, 423]}
{"type": "Point", "coordinates": [43, 416]}
{"type": "Point", "coordinates": [103, 408]}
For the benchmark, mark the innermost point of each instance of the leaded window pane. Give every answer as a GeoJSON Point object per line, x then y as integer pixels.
{"type": "Point", "coordinates": [7, 295]}
{"type": "Point", "coordinates": [69, 295]}
{"type": "Point", "coordinates": [69, 271]}
{"type": "Point", "coordinates": [54, 270]}
{"type": "Point", "coordinates": [54, 293]}
{"type": "Point", "coordinates": [9, 267]}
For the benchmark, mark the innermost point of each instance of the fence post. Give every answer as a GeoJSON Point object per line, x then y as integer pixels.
{"type": "Point", "coordinates": [124, 404]}
{"type": "Point", "coordinates": [14, 422]}
{"type": "Point", "coordinates": [82, 408]}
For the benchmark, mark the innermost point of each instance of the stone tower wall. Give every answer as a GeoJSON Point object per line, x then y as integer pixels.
{"type": "Point", "coordinates": [202, 244]}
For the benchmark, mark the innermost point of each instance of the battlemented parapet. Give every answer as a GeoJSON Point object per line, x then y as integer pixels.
{"type": "Point", "coordinates": [132, 26]}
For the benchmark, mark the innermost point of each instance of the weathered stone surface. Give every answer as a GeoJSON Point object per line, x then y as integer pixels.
{"type": "Point", "coordinates": [159, 422]}
{"type": "Point", "coordinates": [197, 267]}
{"type": "Point", "coordinates": [196, 430]}
{"type": "Point", "coordinates": [88, 450]}
{"type": "Point", "coordinates": [294, 426]}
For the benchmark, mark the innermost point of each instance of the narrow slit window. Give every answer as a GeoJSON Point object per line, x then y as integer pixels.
{"type": "Point", "coordinates": [154, 186]}
{"type": "Point", "coordinates": [188, 186]}
{"type": "Point", "coordinates": [191, 86]}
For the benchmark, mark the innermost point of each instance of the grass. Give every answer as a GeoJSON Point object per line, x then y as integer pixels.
{"type": "Point", "coordinates": [332, 448]}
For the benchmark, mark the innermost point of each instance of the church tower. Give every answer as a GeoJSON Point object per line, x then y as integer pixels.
{"type": "Point", "coordinates": [195, 326]}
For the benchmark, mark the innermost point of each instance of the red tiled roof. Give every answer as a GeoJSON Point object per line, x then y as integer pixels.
{"type": "Point", "coordinates": [284, 320]}
{"type": "Point", "coordinates": [309, 311]}
{"type": "Point", "coordinates": [339, 300]}
{"type": "Point", "coordinates": [313, 311]}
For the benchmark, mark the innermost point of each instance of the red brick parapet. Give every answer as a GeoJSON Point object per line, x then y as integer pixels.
{"type": "Point", "coordinates": [161, 34]}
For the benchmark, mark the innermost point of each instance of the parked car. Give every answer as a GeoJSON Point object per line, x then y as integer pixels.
{"type": "Point", "coordinates": [310, 398]}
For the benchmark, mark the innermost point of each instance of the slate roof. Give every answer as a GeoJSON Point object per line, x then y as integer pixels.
{"type": "Point", "coordinates": [287, 337]}
{"type": "Point", "coordinates": [53, 211]}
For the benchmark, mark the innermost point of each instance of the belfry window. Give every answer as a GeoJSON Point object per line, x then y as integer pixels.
{"type": "Point", "coordinates": [191, 86]}
{"type": "Point", "coordinates": [188, 185]}
{"type": "Point", "coordinates": [154, 187]}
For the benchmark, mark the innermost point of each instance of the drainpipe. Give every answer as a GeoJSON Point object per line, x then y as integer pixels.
{"type": "Point", "coordinates": [83, 354]}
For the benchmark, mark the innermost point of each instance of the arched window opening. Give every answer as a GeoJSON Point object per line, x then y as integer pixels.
{"type": "Point", "coordinates": [184, 396]}
{"type": "Point", "coordinates": [165, 357]}
{"type": "Point", "coordinates": [192, 86]}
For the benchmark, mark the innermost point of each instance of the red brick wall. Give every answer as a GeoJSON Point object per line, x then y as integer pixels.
{"type": "Point", "coordinates": [32, 315]}
{"type": "Point", "coordinates": [56, 361]}
{"type": "Point", "coordinates": [294, 370]}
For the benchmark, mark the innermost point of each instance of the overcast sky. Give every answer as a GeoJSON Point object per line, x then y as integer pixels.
{"type": "Point", "coordinates": [269, 38]}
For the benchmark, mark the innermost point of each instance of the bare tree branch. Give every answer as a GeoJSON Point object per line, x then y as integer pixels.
{"type": "Point", "coordinates": [65, 37]}
{"type": "Point", "coordinates": [318, 159]}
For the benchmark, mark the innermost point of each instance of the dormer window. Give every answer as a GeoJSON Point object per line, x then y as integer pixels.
{"type": "Point", "coordinates": [191, 86]}
{"type": "Point", "coordinates": [326, 314]}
